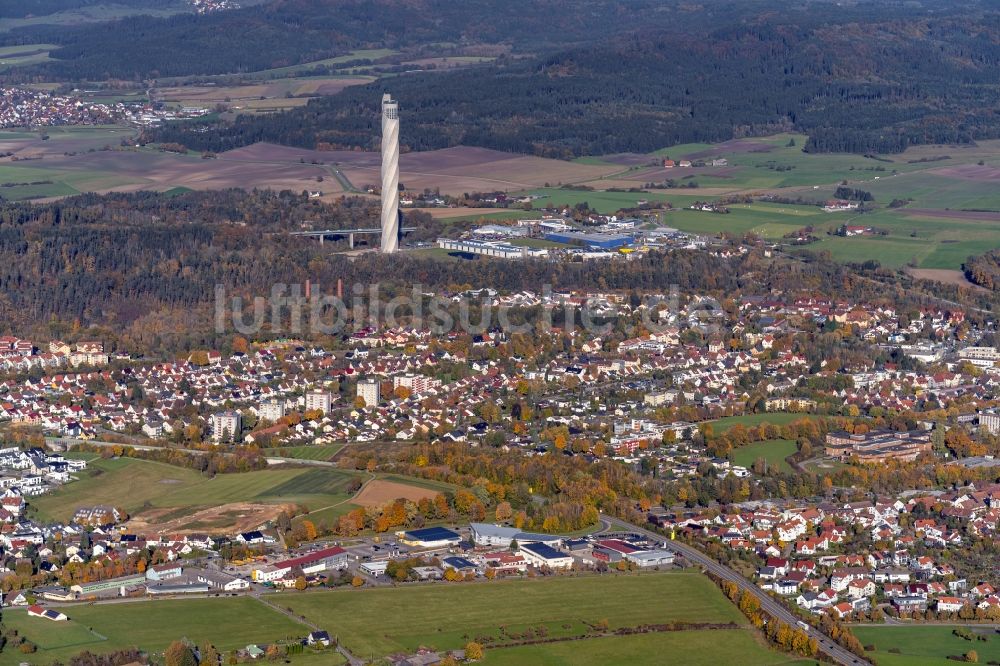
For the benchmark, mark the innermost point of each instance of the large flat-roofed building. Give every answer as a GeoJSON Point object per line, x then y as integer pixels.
{"type": "Point", "coordinates": [490, 249]}
{"type": "Point", "coordinates": [496, 230]}
{"type": "Point", "coordinates": [112, 585]}
{"type": "Point", "coordinates": [486, 534]}
{"type": "Point", "coordinates": [542, 555]}
{"type": "Point", "coordinates": [431, 537]}
{"type": "Point", "coordinates": [651, 558]}
{"type": "Point", "coordinates": [983, 357]}
{"type": "Point", "coordinates": [326, 559]}
{"type": "Point", "coordinates": [878, 445]}
{"type": "Point", "coordinates": [222, 581]}
{"type": "Point", "coordinates": [596, 241]}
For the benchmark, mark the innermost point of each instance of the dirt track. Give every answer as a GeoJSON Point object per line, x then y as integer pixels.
{"type": "Point", "coordinates": [225, 519]}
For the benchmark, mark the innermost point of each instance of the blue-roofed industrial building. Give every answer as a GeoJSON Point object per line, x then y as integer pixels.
{"type": "Point", "coordinates": [595, 241]}
{"type": "Point", "coordinates": [541, 555]}
{"type": "Point", "coordinates": [459, 564]}
{"type": "Point", "coordinates": [431, 537]}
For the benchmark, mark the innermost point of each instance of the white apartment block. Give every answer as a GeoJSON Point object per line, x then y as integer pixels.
{"type": "Point", "coordinates": [226, 425]}
{"type": "Point", "coordinates": [370, 391]}
{"type": "Point", "coordinates": [320, 400]}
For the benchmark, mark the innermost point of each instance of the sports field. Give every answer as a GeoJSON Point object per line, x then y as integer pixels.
{"type": "Point", "coordinates": [774, 452]}
{"type": "Point", "coordinates": [383, 621]}
{"type": "Point", "coordinates": [926, 645]}
{"type": "Point", "coordinates": [229, 623]}
{"type": "Point", "coordinates": [697, 648]}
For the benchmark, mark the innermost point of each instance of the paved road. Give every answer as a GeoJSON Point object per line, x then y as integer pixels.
{"type": "Point", "coordinates": [769, 605]}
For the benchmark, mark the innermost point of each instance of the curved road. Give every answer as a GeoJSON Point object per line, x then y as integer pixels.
{"type": "Point", "coordinates": [769, 605]}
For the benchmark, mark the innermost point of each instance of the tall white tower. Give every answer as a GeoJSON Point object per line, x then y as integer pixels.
{"type": "Point", "coordinates": [390, 174]}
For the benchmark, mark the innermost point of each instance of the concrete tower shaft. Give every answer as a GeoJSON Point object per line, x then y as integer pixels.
{"type": "Point", "coordinates": [390, 174]}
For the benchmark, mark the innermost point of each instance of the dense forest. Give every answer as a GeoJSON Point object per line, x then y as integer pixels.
{"type": "Point", "coordinates": [288, 32]}
{"type": "Point", "coordinates": [876, 79]}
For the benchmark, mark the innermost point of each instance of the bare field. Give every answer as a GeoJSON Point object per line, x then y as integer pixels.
{"type": "Point", "coordinates": [224, 519]}
{"type": "Point", "coordinates": [151, 170]}
{"type": "Point", "coordinates": [275, 91]}
{"type": "Point", "coordinates": [454, 170]}
{"type": "Point", "coordinates": [448, 213]}
{"type": "Point", "coordinates": [981, 173]}
{"type": "Point", "coordinates": [944, 275]}
{"type": "Point", "coordinates": [380, 492]}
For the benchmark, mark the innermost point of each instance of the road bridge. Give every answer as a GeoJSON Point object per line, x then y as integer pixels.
{"type": "Point", "coordinates": [350, 233]}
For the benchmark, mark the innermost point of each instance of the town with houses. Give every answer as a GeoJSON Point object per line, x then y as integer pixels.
{"type": "Point", "coordinates": [648, 401]}
{"type": "Point", "coordinates": [24, 107]}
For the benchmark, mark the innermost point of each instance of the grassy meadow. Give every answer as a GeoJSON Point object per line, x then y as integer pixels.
{"type": "Point", "coordinates": [693, 648]}
{"type": "Point", "coordinates": [774, 452]}
{"type": "Point", "coordinates": [926, 645]}
{"type": "Point", "coordinates": [385, 620]}
{"type": "Point", "coordinates": [229, 623]}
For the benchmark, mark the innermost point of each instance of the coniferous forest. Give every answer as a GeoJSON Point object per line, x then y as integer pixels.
{"type": "Point", "coordinates": [874, 85]}
{"type": "Point", "coordinates": [607, 76]}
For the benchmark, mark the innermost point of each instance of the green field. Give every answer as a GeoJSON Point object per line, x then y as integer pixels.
{"type": "Point", "coordinates": [694, 648]}
{"type": "Point", "coordinates": [229, 623]}
{"type": "Point", "coordinates": [25, 54]}
{"type": "Point", "coordinates": [774, 452]}
{"type": "Point", "coordinates": [304, 452]}
{"type": "Point", "coordinates": [774, 418]}
{"type": "Point", "coordinates": [382, 621]}
{"type": "Point", "coordinates": [139, 485]}
{"type": "Point", "coordinates": [931, 177]}
{"type": "Point", "coordinates": [926, 645]}
{"type": "Point", "coordinates": [52, 175]}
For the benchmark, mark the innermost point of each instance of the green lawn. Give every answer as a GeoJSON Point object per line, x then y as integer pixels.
{"type": "Point", "coordinates": [774, 452]}
{"type": "Point", "coordinates": [774, 418]}
{"type": "Point", "coordinates": [445, 616]}
{"type": "Point", "coordinates": [151, 625]}
{"type": "Point", "coordinates": [138, 484]}
{"type": "Point", "coordinates": [926, 645]}
{"type": "Point", "coordinates": [692, 648]}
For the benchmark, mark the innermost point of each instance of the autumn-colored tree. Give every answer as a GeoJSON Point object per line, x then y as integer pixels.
{"type": "Point", "coordinates": [179, 653]}
{"type": "Point", "coordinates": [300, 583]}
{"type": "Point", "coordinates": [210, 655]}
{"type": "Point", "coordinates": [473, 651]}
{"type": "Point", "coordinates": [357, 581]}
{"type": "Point", "coordinates": [240, 345]}
{"type": "Point", "coordinates": [504, 512]}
